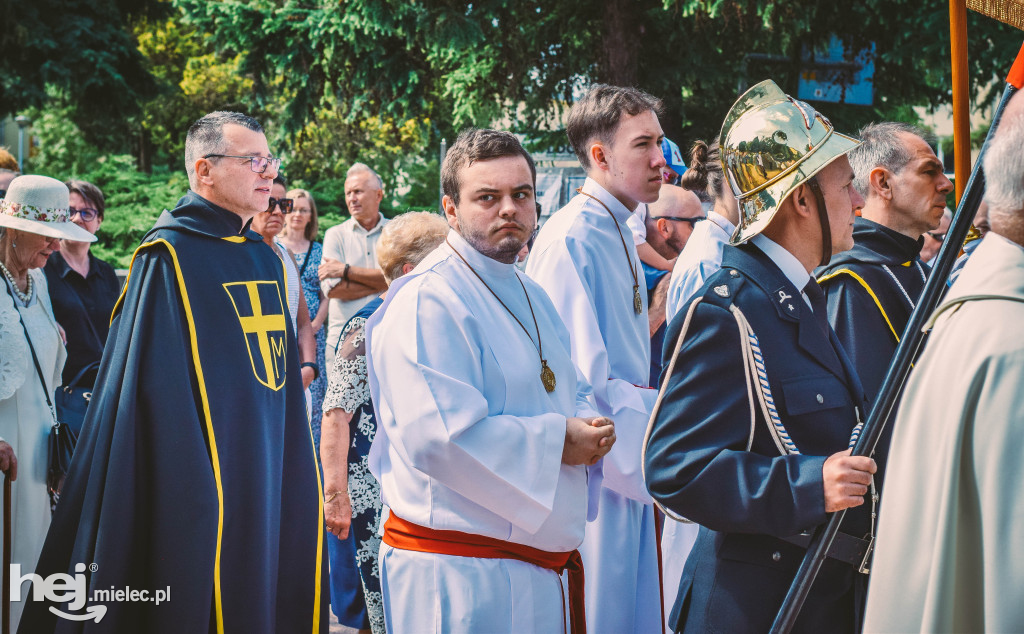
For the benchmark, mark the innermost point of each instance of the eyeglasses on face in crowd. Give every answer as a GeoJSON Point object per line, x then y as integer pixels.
{"type": "Point", "coordinates": [936, 236]}
{"type": "Point", "coordinates": [88, 214]}
{"type": "Point", "coordinates": [258, 164]}
{"type": "Point", "coordinates": [286, 204]}
{"type": "Point", "coordinates": [692, 221]}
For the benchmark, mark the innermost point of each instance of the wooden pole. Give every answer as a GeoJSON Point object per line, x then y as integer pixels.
{"type": "Point", "coordinates": [961, 91]}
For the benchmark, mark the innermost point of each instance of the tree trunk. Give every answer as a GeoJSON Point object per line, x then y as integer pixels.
{"type": "Point", "coordinates": [622, 33]}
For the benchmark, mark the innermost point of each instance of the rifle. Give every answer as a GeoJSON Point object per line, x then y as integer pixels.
{"type": "Point", "coordinates": [903, 358]}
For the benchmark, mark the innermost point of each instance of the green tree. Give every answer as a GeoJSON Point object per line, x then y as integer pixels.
{"type": "Point", "coordinates": [84, 49]}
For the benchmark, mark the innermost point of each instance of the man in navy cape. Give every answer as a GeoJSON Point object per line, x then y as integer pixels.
{"type": "Point", "coordinates": [872, 288]}
{"type": "Point", "coordinates": [195, 473]}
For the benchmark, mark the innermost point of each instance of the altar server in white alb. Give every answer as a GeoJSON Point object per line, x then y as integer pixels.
{"type": "Point", "coordinates": [486, 430]}
{"type": "Point", "coordinates": [585, 259]}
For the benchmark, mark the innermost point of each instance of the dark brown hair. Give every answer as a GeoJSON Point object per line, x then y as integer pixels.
{"type": "Point", "coordinates": [90, 193]}
{"type": "Point", "coordinates": [598, 114]}
{"type": "Point", "coordinates": [475, 145]}
{"type": "Point", "coordinates": [704, 175]}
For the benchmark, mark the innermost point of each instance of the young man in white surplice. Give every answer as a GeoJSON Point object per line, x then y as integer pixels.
{"type": "Point", "coordinates": [585, 259]}
{"type": "Point", "coordinates": [487, 441]}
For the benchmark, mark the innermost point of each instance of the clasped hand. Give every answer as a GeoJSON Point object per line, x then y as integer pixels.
{"type": "Point", "coordinates": [587, 440]}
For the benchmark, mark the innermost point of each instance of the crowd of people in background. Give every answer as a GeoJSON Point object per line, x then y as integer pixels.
{"type": "Point", "coordinates": [491, 406]}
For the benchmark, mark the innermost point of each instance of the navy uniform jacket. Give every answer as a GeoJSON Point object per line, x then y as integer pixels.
{"type": "Point", "coordinates": [871, 290]}
{"type": "Point", "coordinates": [195, 469]}
{"type": "Point", "coordinates": [697, 462]}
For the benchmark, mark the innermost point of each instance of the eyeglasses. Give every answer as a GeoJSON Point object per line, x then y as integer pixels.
{"type": "Point", "coordinates": [258, 164]}
{"type": "Point", "coordinates": [285, 204]}
{"type": "Point", "coordinates": [692, 221]}
{"type": "Point", "coordinates": [936, 236]}
{"type": "Point", "coordinates": [88, 214]}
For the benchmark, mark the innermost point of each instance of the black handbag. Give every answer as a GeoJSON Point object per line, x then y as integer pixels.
{"type": "Point", "coordinates": [72, 400]}
{"type": "Point", "coordinates": [61, 445]}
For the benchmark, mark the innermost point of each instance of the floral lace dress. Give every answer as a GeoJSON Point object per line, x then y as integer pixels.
{"type": "Point", "coordinates": [348, 389]}
{"type": "Point", "coordinates": [311, 289]}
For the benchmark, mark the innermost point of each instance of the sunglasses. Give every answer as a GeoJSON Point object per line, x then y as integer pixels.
{"type": "Point", "coordinates": [286, 204]}
{"type": "Point", "coordinates": [692, 221]}
{"type": "Point", "coordinates": [88, 214]}
{"type": "Point", "coordinates": [936, 236]}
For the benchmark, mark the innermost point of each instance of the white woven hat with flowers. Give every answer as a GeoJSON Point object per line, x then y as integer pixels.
{"type": "Point", "coordinates": [39, 204]}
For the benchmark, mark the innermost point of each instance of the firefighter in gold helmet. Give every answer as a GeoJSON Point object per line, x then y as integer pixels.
{"type": "Point", "coordinates": [759, 403]}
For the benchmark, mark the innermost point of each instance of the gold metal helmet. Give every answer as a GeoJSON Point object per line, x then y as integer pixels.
{"type": "Point", "coordinates": [771, 144]}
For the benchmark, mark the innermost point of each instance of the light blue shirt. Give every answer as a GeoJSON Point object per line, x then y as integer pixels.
{"type": "Point", "coordinates": [700, 258]}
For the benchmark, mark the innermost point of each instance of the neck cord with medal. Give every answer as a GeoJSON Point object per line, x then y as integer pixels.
{"type": "Point", "coordinates": [638, 305]}
{"type": "Point", "coordinates": [547, 375]}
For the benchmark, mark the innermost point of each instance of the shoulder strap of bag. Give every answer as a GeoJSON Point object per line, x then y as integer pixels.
{"type": "Point", "coordinates": [35, 361]}
{"type": "Point", "coordinates": [305, 263]}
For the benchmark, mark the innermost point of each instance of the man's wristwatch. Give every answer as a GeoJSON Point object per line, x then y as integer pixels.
{"type": "Point", "coordinates": [316, 368]}
{"type": "Point", "coordinates": [344, 274]}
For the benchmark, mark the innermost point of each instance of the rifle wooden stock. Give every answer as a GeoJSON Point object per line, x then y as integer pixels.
{"type": "Point", "coordinates": [903, 358]}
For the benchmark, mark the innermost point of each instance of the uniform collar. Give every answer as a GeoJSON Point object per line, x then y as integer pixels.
{"type": "Point", "coordinates": [786, 261]}
{"type": "Point", "coordinates": [481, 263]}
{"type": "Point", "coordinates": [619, 211]}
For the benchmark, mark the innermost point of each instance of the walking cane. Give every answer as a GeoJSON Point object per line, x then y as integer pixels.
{"type": "Point", "coordinates": [906, 352]}
{"type": "Point", "coordinates": [6, 610]}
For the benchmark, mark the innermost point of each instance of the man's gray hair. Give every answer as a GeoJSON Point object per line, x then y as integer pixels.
{"type": "Point", "coordinates": [1004, 169]}
{"type": "Point", "coordinates": [363, 168]}
{"type": "Point", "coordinates": [206, 136]}
{"type": "Point", "coordinates": [881, 146]}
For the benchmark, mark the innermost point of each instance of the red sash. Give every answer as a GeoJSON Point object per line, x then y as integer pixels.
{"type": "Point", "coordinates": [399, 533]}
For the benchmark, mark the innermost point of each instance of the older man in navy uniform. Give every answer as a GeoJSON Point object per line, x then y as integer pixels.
{"type": "Point", "coordinates": [759, 402]}
{"type": "Point", "coordinates": [872, 288]}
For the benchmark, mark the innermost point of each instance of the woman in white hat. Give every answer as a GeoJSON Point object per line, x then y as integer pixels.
{"type": "Point", "coordinates": [33, 219]}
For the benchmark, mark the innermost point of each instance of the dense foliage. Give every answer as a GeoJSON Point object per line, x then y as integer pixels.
{"type": "Point", "coordinates": [113, 84]}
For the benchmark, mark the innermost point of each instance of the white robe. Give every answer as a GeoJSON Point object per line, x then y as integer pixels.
{"type": "Point", "coordinates": [25, 419]}
{"type": "Point", "coordinates": [469, 440]}
{"type": "Point", "coordinates": [579, 260]}
{"type": "Point", "coordinates": [701, 257]}
{"type": "Point", "coordinates": [950, 553]}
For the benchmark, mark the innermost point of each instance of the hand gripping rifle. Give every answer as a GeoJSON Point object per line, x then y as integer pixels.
{"type": "Point", "coordinates": [904, 356]}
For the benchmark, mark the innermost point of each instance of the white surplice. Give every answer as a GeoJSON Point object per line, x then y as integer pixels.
{"type": "Point", "coordinates": [580, 260]}
{"type": "Point", "coordinates": [469, 440]}
{"type": "Point", "coordinates": [701, 257]}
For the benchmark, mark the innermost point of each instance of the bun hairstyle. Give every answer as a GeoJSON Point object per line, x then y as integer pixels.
{"type": "Point", "coordinates": [704, 176]}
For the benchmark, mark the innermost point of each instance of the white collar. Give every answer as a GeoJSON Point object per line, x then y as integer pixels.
{"type": "Point", "coordinates": [377, 227]}
{"type": "Point", "coordinates": [786, 261]}
{"type": "Point", "coordinates": [721, 222]}
{"type": "Point", "coordinates": [619, 211]}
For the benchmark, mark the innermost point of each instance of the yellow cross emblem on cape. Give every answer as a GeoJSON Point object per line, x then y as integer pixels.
{"type": "Point", "coordinates": [261, 314]}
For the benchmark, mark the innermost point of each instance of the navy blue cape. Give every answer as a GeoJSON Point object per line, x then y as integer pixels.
{"type": "Point", "coordinates": [195, 470]}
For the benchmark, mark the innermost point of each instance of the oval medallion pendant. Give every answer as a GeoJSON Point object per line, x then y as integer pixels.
{"type": "Point", "coordinates": [547, 376]}
{"type": "Point", "coordinates": [638, 305]}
